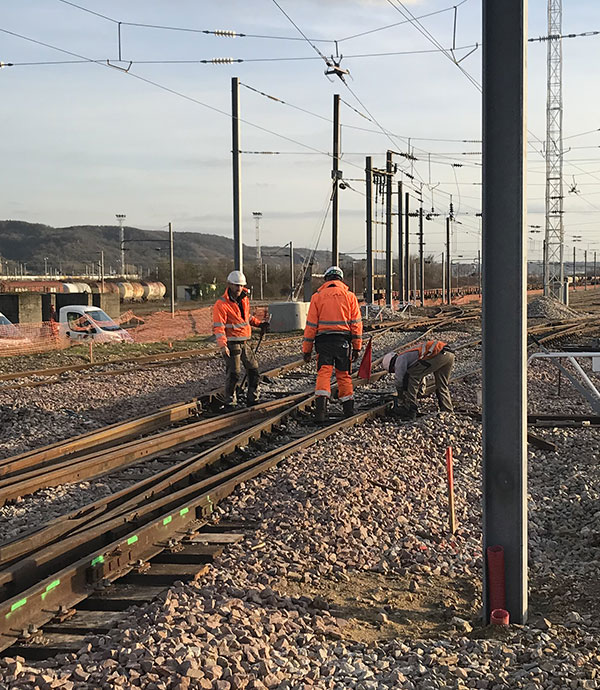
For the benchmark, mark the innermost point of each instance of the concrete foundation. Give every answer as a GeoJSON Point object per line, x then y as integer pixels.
{"type": "Point", "coordinates": [288, 316]}
{"type": "Point", "coordinates": [21, 307]}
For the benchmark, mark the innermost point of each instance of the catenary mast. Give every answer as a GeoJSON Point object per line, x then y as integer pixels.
{"type": "Point", "coordinates": [553, 257]}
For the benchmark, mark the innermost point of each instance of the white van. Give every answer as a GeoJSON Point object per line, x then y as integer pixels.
{"type": "Point", "coordinates": [90, 323]}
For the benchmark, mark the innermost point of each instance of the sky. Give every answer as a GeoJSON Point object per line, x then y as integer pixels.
{"type": "Point", "coordinates": [151, 138]}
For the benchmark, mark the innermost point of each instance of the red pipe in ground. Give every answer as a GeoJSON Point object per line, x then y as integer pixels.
{"type": "Point", "coordinates": [500, 617]}
{"type": "Point", "coordinates": [495, 575]}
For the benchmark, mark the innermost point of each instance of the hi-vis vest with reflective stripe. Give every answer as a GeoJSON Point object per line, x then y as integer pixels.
{"type": "Point", "coordinates": [229, 325]}
{"type": "Point", "coordinates": [428, 349]}
{"type": "Point", "coordinates": [333, 310]}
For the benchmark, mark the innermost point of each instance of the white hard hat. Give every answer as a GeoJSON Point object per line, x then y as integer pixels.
{"type": "Point", "coordinates": [334, 271]}
{"type": "Point", "coordinates": [386, 360]}
{"type": "Point", "coordinates": [236, 278]}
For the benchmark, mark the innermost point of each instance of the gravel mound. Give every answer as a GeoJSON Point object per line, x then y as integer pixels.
{"type": "Point", "coordinates": [550, 308]}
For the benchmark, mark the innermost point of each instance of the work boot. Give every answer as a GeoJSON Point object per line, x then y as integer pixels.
{"type": "Point", "coordinates": [409, 414]}
{"type": "Point", "coordinates": [348, 406]}
{"type": "Point", "coordinates": [253, 378]}
{"type": "Point", "coordinates": [321, 409]}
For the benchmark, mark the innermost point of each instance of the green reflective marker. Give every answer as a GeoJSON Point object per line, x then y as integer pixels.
{"type": "Point", "coordinates": [167, 520]}
{"type": "Point", "coordinates": [50, 587]}
{"type": "Point", "coordinates": [97, 560]}
{"type": "Point", "coordinates": [16, 605]}
{"type": "Point", "coordinates": [132, 540]}
{"type": "Point", "coordinates": [184, 511]}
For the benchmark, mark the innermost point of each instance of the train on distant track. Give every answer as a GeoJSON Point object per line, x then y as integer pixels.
{"type": "Point", "coordinates": [128, 290]}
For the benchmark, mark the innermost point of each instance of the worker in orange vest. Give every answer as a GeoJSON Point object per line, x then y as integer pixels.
{"type": "Point", "coordinates": [411, 366]}
{"type": "Point", "coordinates": [334, 327]}
{"type": "Point", "coordinates": [232, 328]}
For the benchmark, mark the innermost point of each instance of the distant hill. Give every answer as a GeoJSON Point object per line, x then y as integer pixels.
{"type": "Point", "coordinates": [73, 248]}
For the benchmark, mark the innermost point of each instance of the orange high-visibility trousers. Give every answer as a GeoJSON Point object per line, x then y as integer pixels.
{"type": "Point", "coordinates": [344, 382]}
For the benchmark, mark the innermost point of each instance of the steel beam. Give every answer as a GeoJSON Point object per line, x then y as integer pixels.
{"type": "Point", "coordinates": [504, 291]}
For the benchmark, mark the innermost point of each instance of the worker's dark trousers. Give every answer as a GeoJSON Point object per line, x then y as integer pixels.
{"type": "Point", "coordinates": [441, 367]}
{"type": "Point", "coordinates": [240, 353]}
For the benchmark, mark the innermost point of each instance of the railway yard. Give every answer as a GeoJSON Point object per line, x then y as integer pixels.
{"type": "Point", "coordinates": [149, 541]}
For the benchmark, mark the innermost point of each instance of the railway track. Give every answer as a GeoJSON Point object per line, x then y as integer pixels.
{"type": "Point", "coordinates": [149, 533]}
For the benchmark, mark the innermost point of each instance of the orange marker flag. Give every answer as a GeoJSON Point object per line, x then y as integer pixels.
{"type": "Point", "coordinates": [364, 370]}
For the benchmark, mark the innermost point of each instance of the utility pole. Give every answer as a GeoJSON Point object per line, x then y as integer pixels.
{"type": "Point", "coordinates": [102, 270]}
{"type": "Point", "coordinates": [407, 246]}
{"type": "Point", "coordinates": [335, 175]}
{"type": "Point", "coordinates": [574, 270]}
{"type": "Point", "coordinates": [292, 286]}
{"type": "Point", "coordinates": [504, 326]}
{"type": "Point", "coordinates": [238, 248]}
{"type": "Point", "coordinates": [448, 263]}
{"type": "Point", "coordinates": [172, 269]}
{"type": "Point", "coordinates": [553, 287]}
{"type": "Point", "coordinates": [479, 270]}
{"type": "Point", "coordinates": [257, 216]}
{"type": "Point", "coordinates": [585, 269]}
{"type": "Point", "coordinates": [121, 217]}
{"type": "Point", "coordinates": [421, 256]}
{"type": "Point", "coordinates": [388, 230]}
{"type": "Point", "coordinates": [443, 279]}
{"type": "Point", "coordinates": [595, 275]}
{"type": "Point", "coordinates": [369, 222]}
{"type": "Point", "coordinates": [400, 247]}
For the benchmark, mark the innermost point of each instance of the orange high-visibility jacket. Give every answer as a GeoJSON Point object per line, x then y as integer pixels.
{"type": "Point", "coordinates": [428, 348]}
{"type": "Point", "coordinates": [230, 325]}
{"type": "Point", "coordinates": [333, 309]}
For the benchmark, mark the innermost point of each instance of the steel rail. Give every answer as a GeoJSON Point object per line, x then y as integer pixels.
{"type": "Point", "coordinates": [17, 482]}
{"type": "Point", "coordinates": [174, 516]}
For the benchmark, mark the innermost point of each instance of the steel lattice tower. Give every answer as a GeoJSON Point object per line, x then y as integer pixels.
{"type": "Point", "coordinates": [553, 258]}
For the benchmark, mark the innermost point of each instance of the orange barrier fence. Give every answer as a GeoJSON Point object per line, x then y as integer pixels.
{"type": "Point", "coordinates": [162, 326]}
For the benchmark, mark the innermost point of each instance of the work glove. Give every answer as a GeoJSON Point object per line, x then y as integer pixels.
{"type": "Point", "coordinates": [355, 355]}
{"type": "Point", "coordinates": [264, 327]}
{"type": "Point", "coordinates": [307, 356]}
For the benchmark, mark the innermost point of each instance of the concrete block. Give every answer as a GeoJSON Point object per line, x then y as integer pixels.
{"type": "Point", "coordinates": [288, 316]}
{"type": "Point", "coordinates": [22, 307]}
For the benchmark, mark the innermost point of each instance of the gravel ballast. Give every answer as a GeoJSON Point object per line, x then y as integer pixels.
{"type": "Point", "coordinates": [348, 577]}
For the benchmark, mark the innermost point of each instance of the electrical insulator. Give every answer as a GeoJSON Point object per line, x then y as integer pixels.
{"type": "Point", "coordinates": [221, 61]}
{"type": "Point", "coordinates": [225, 32]}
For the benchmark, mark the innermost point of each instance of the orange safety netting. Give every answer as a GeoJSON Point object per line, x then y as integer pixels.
{"type": "Point", "coordinates": [34, 338]}
{"type": "Point", "coordinates": [163, 325]}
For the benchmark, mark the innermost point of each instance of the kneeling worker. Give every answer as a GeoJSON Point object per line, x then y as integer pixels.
{"type": "Point", "coordinates": [232, 327]}
{"type": "Point", "coordinates": [334, 325]}
{"type": "Point", "coordinates": [411, 366]}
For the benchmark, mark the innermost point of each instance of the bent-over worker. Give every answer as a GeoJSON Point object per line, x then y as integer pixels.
{"type": "Point", "coordinates": [412, 365]}
{"type": "Point", "coordinates": [334, 326]}
{"type": "Point", "coordinates": [232, 323]}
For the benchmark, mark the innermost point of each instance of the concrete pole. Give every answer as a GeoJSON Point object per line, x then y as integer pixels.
{"type": "Point", "coordinates": [574, 269]}
{"type": "Point", "coordinates": [585, 269]}
{"type": "Point", "coordinates": [369, 217]}
{"type": "Point", "coordinates": [407, 246]}
{"type": "Point", "coordinates": [504, 302]}
{"type": "Point", "coordinates": [102, 270]}
{"type": "Point", "coordinates": [238, 248]}
{"type": "Point", "coordinates": [335, 254]}
{"type": "Point", "coordinates": [443, 279]}
{"type": "Point", "coordinates": [172, 269]}
{"type": "Point", "coordinates": [448, 263]}
{"type": "Point", "coordinates": [400, 246]}
{"type": "Point", "coordinates": [595, 275]}
{"type": "Point", "coordinates": [292, 286]}
{"type": "Point", "coordinates": [421, 256]}
{"type": "Point", "coordinates": [388, 230]}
